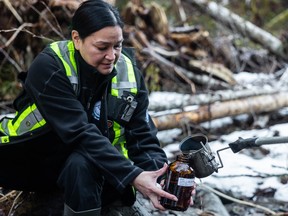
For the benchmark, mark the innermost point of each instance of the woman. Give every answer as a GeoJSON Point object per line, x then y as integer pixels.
{"type": "Point", "coordinates": [82, 120]}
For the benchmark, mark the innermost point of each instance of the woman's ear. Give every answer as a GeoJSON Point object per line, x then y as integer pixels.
{"type": "Point", "coordinates": [76, 39]}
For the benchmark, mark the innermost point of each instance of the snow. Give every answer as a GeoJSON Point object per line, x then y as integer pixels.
{"type": "Point", "coordinates": [242, 166]}
{"type": "Point", "coordinates": [242, 173]}
{"type": "Point", "coordinates": [261, 79]}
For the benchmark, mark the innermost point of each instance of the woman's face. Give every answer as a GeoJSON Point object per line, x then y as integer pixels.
{"type": "Point", "coordinates": [100, 49]}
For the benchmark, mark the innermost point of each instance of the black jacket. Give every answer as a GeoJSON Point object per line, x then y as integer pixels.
{"type": "Point", "coordinates": [69, 117]}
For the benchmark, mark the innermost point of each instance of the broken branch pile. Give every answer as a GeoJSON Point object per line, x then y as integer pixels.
{"type": "Point", "coordinates": [188, 53]}
{"type": "Point", "coordinates": [182, 58]}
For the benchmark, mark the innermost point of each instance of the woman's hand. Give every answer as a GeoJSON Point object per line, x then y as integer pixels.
{"type": "Point", "coordinates": [146, 183]}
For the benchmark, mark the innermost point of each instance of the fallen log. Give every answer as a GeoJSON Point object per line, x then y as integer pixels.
{"type": "Point", "coordinates": [255, 105]}
{"type": "Point", "coordinates": [246, 28]}
{"type": "Point", "coordinates": [173, 100]}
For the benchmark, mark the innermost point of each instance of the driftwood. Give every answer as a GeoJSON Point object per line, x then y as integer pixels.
{"type": "Point", "coordinates": [246, 28]}
{"type": "Point", "coordinates": [255, 105]}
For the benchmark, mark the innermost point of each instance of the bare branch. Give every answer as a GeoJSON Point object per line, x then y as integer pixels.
{"type": "Point", "coordinates": [59, 33]}
{"type": "Point", "coordinates": [13, 11]}
{"type": "Point", "coordinates": [14, 63]}
{"type": "Point", "coordinates": [17, 31]}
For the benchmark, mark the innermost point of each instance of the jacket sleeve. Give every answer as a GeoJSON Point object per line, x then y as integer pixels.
{"type": "Point", "coordinates": [55, 98]}
{"type": "Point", "coordinates": [141, 141]}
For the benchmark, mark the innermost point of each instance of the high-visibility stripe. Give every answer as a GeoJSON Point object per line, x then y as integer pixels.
{"type": "Point", "coordinates": [23, 115]}
{"type": "Point", "coordinates": [114, 91]}
{"type": "Point", "coordinates": [117, 131]}
{"type": "Point", "coordinates": [65, 51]}
{"type": "Point", "coordinates": [4, 125]}
{"type": "Point", "coordinates": [1, 127]}
{"type": "Point", "coordinates": [124, 150]}
{"type": "Point", "coordinates": [54, 46]}
{"type": "Point", "coordinates": [131, 74]}
{"type": "Point", "coordinates": [4, 139]}
{"type": "Point", "coordinates": [28, 120]}
{"type": "Point", "coordinates": [71, 49]}
{"type": "Point", "coordinates": [119, 139]}
{"type": "Point", "coordinates": [11, 130]}
{"type": "Point", "coordinates": [125, 79]}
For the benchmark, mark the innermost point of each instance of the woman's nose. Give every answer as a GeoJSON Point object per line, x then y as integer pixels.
{"type": "Point", "coordinates": [111, 54]}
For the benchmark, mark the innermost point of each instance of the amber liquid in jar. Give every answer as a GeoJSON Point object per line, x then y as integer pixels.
{"type": "Point", "coordinates": [180, 181]}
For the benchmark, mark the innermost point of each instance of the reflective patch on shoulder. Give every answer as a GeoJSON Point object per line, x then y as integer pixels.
{"type": "Point", "coordinates": [4, 139]}
{"type": "Point", "coordinates": [96, 110]}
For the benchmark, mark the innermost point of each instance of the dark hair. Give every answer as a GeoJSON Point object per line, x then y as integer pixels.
{"type": "Point", "coordinates": [93, 15]}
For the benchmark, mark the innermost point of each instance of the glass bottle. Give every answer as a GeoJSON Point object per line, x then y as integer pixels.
{"type": "Point", "coordinates": [180, 181]}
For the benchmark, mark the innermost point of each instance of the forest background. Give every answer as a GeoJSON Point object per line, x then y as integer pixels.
{"type": "Point", "coordinates": [27, 26]}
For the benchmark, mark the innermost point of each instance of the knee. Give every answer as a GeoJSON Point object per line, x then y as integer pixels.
{"type": "Point", "coordinates": [77, 163]}
{"type": "Point", "coordinates": [77, 169]}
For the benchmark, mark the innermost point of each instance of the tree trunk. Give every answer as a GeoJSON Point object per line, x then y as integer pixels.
{"type": "Point", "coordinates": [255, 105]}
{"type": "Point", "coordinates": [160, 101]}
{"type": "Point", "coordinates": [246, 28]}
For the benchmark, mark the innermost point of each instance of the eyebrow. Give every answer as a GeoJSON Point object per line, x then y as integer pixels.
{"type": "Point", "coordinates": [105, 42]}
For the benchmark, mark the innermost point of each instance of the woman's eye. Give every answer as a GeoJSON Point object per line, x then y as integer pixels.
{"type": "Point", "coordinates": [102, 48]}
{"type": "Point", "coordinates": [118, 46]}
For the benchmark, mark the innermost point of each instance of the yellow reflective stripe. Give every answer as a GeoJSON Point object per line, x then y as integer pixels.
{"type": "Point", "coordinates": [124, 150]}
{"type": "Point", "coordinates": [11, 130]}
{"type": "Point", "coordinates": [1, 127]}
{"type": "Point", "coordinates": [4, 139]}
{"type": "Point", "coordinates": [70, 46]}
{"type": "Point", "coordinates": [39, 124]}
{"type": "Point", "coordinates": [117, 131]}
{"type": "Point", "coordinates": [131, 75]}
{"type": "Point", "coordinates": [114, 91]}
{"type": "Point", "coordinates": [23, 116]}
{"type": "Point", "coordinates": [54, 46]}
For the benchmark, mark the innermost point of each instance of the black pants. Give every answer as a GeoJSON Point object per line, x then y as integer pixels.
{"type": "Point", "coordinates": [45, 164]}
{"type": "Point", "coordinates": [85, 188]}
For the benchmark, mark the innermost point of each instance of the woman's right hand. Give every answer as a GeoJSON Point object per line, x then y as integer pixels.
{"type": "Point", "coordinates": [146, 183]}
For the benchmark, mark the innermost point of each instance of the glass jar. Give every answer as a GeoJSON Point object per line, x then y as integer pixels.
{"type": "Point", "coordinates": [180, 181]}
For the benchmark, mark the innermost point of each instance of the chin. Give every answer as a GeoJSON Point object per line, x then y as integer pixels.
{"type": "Point", "coordinates": [105, 72]}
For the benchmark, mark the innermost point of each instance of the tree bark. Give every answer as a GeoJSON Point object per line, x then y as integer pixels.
{"type": "Point", "coordinates": [246, 28]}
{"type": "Point", "coordinates": [255, 105]}
{"type": "Point", "coordinates": [173, 100]}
